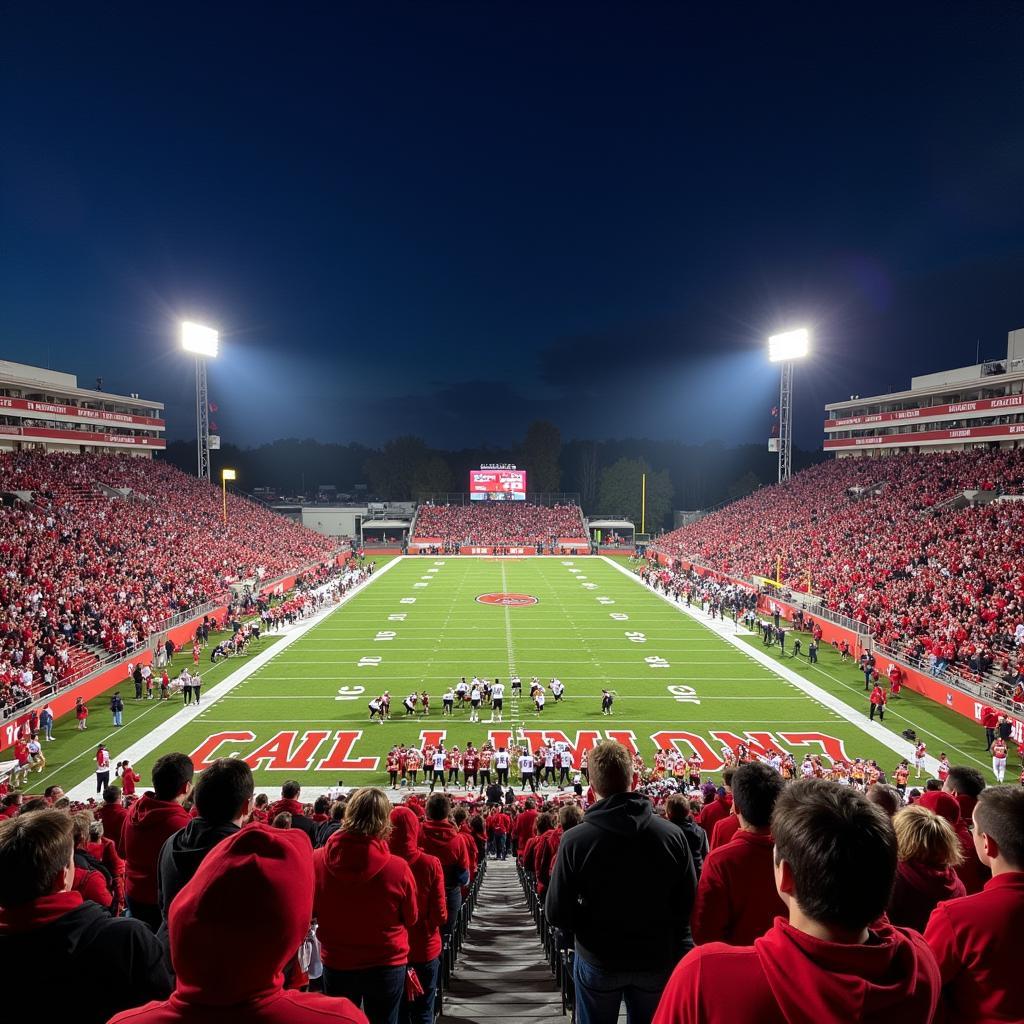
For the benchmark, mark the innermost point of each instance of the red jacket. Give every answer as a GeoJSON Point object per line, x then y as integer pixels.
{"type": "Point", "coordinates": [877, 696]}
{"type": "Point", "coordinates": [736, 897]}
{"type": "Point", "coordinates": [789, 977]}
{"type": "Point", "coordinates": [106, 853]}
{"type": "Point", "coordinates": [976, 940]}
{"type": "Point", "coordinates": [114, 818]}
{"type": "Point", "coordinates": [442, 840]}
{"type": "Point", "coordinates": [257, 882]}
{"type": "Point", "coordinates": [499, 822]}
{"type": "Point", "coordinates": [92, 886]}
{"type": "Point", "coordinates": [365, 902]}
{"type": "Point", "coordinates": [431, 906]}
{"type": "Point", "coordinates": [150, 822]}
{"type": "Point", "coordinates": [522, 828]}
{"type": "Point", "coordinates": [724, 831]}
{"type": "Point", "coordinates": [128, 780]}
{"type": "Point", "coordinates": [544, 857]}
{"type": "Point", "coordinates": [919, 887]}
{"type": "Point", "coordinates": [712, 813]}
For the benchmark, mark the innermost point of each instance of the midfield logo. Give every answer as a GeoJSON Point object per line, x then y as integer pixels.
{"type": "Point", "coordinates": [508, 600]}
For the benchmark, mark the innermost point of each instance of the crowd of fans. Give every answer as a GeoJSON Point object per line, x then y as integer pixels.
{"type": "Point", "coordinates": [81, 569]}
{"type": "Point", "coordinates": [500, 523]}
{"type": "Point", "coordinates": [784, 894]}
{"type": "Point", "coordinates": [873, 539]}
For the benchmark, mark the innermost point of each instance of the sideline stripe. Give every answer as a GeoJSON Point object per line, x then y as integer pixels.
{"type": "Point", "coordinates": [877, 732]}
{"type": "Point", "coordinates": [178, 721]}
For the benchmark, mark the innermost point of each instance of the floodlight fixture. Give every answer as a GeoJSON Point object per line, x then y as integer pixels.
{"type": "Point", "coordinates": [227, 474]}
{"type": "Point", "coordinates": [199, 340]}
{"type": "Point", "coordinates": [782, 348]}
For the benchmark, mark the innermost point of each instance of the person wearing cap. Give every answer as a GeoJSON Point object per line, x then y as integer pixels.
{"type": "Point", "coordinates": [233, 930]}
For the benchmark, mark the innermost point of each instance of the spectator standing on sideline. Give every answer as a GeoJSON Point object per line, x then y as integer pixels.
{"type": "Point", "coordinates": [877, 701]}
{"type": "Point", "coordinates": [53, 942]}
{"type": "Point", "coordinates": [365, 904]}
{"type": "Point", "coordinates": [976, 939]}
{"type": "Point", "coordinates": [736, 899]}
{"type": "Point", "coordinates": [150, 821]}
{"type": "Point", "coordinates": [827, 960]}
{"type": "Point", "coordinates": [623, 884]}
{"type": "Point", "coordinates": [46, 721]}
{"type": "Point", "coordinates": [116, 708]}
{"type": "Point", "coordinates": [231, 965]}
{"type": "Point", "coordinates": [223, 797]}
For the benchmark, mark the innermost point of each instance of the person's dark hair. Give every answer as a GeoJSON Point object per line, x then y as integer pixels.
{"type": "Point", "coordinates": [34, 850]}
{"type": "Point", "coordinates": [111, 795]}
{"type": "Point", "coordinates": [1000, 815]}
{"type": "Point", "coordinates": [932, 785]}
{"type": "Point", "coordinates": [223, 790]}
{"type": "Point", "coordinates": [545, 822]}
{"type": "Point", "coordinates": [965, 781]}
{"type": "Point", "coordinates": [569, 815]}
{"type": "Point", "coordinates": [49, 791]}
{"type": "Point", "coordinates": [291, 790]}
{"type": "Point", "coordinates": [677, 808]}
{"type": "Point", "coordinates": [755, 788]}
{"type": "Point", "coordinates": [262, 800]}
{"type": "Point", "coordinates": [885, 797]}
{"type": "Point", "coordinates": [338, 810]}
{"type": "Point", "coordinates": [727, 776]}
{"type": "Point", "coordinates": [11, 799]}
{"type": "Point", "coordinates": [438, 807]}
{"type": "Point", "coordinates": [460, 815]}
{"type": "Point", "coordinates": [171, 774]}
{"type": "Point", "coordinates": [283, 819]}
{"type": "Point", "coordinates": [841, 850]}
{"type": "Point", "coordinates": [530, 802]}
{"type": "Point", "coordinates": [321, 805]}
{"type": "Point", "coordinates": [36, 803]}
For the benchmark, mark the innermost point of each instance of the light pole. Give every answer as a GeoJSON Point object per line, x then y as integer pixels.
{"type": "Point", "coordinates": [225, 476]}
{"type": "Point", "coordinates": [202, 343]}
{"type": "Point", "coordinates": [786, 348]}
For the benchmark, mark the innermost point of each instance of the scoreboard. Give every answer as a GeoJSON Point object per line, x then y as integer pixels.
{"type": "Point", "coordinates": [497, 484]}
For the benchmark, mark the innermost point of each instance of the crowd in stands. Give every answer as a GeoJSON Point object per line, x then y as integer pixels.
{"type": "Point", "coordinates": [767, 900]}
{"type": "Point", "coordinates": [78, 567]}
{"type": "Point", "coordinates": [499, 523]}
{"type": "Point", "coordinates": [871, 538]}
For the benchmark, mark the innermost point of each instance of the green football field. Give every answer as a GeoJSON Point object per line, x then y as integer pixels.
{"type": "Point", "coordinates": [297, 706]}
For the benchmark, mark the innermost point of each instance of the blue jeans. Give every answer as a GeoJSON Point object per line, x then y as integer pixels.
{"type": "Point", "coordinates": [117, 718]}
{"type": "Point", "coordinates": [599, 993]}
{"type": "Point", "coordinates": [421, 1010]}
{"type": "Point", "coordinates": [379, 990]}
{"type": "Point", "coordinates": [453, 900]}
{"type": "Point", "coordinates": [501, 844]}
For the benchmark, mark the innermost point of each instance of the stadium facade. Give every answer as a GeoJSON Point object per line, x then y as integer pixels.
{"type": "Point", "coordinates": [45, 409]}
{"type": "Point", "coordinates": [952, 410]}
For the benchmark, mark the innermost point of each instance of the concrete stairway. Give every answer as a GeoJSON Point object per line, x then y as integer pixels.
{"type": "Point", "coordinates": [502, 974]}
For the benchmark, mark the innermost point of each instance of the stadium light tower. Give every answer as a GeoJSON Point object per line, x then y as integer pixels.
{"type": "Point", "coordinates": [787, 348]}
{"type": "Point", "coordinates": [202, 343]}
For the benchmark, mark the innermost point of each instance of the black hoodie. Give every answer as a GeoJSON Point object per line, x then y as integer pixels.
{"type": "Point", "coordinates": [180, 858]}
{"type": "Point", "coordinates": [624, 884]}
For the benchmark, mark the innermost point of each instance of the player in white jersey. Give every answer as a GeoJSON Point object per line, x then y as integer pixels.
{"type": "Point", "coordinates": [538, 701]}
{"type": "Point", "coordinates": [474, 702]}
{"type": "Point", "coordinates": [549, 765]}
{"type": "Point", "coordinates": [377, 708]}
{"type": "Point", "coordinates": [497, 700]}
{"type": "Point", "coordinates": [438, 766]}
{"type": "Point", "coordinates": [501, 763]}
{"type": "Point", "coordinates": [461, 691]}
{"type": "Point", "coordinates": [517, 685]}
{"type": "Point", "coordinates": [557, 689]}
{"type": "Point", "coordinates": [447, 702]}
{"type": "Point", "coordinates": [526, 772]}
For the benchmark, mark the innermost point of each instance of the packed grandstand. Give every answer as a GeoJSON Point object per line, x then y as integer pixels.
{"type": "Point", "coordinates": [499, 523]}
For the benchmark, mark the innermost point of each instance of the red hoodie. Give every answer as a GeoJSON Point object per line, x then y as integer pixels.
{"type": "Point", "coordinates": [431, 906]}
{"type": "Point", "coordinates": [365, 902]}
{"type": "Point", "coordinates": [714, 812]}
{"type": "Point", "coordinates": [724, 831]}
{"type": "Point", "coordinates": [442, 839]}
{"type": "Point", "coordinates": [919, 887]}
{"type": "Point", "coordinates": [114, 818]}
{"type": "Point", "coordinates": [522, 829]}
{"type": "Point", "coordinates": [256, 884]}
{"type": "Point", "coordinates": [957, 810]}
{"type": "Point", "coordinates": [789, 977]}
{"type": "Point", "coordinates": [736, 896]}
{"type": "Point", "coordinates": [544, 857]}
{"type": "Point", "coordinates": [150, 822]}
{"type": "Point", "coordinates": [976, 940]}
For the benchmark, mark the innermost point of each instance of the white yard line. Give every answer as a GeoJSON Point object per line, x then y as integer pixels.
{"type": "Point", "coordinates": [170, 726]}
{"type": "Point", "coordinates": [877, 732]}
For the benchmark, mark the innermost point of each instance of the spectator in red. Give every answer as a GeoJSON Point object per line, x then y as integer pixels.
{"type": "Point", "coordinates": [460, 818]}
{"type": "Point", "coordinates": [736, 896]}
{"type": "Point", "coordinates": [544, 823]}
{"type": "Point", "coordinates": [877, 700]}
{"type": "Point", "coordinates": [928, 852]}
{"type": "Point", "coordinates": [826, 959]}
{"type": "Point", "coordinates": [499, 825]}
{"type": "Point", "coordinates": [966, 785]}
{"type": "Point", "coordinates": [53, 943]}
{"type": "Point", "coordinates": [438, 836]}
{"type": "Point", "coordinates": [976, 938]}
{"type": "Point", "coordinates": [431, 912]}
{"type": "Point", "coordinates": [569, 815]}
{"type": "Point", "coordinates": [129, 779]}
{"type": "Point", "coordinates": [290, 793]}
{"type": "Point", "coordinates": [114, 817]}
{"type": "Point", "coordinates": [92, 879]}
{"type": "Point", "coordinates": [150, 821]}
{"type": "Point", "coordinates": [233, 930]}
{"type": "Point", "coordinates": [720, 807]}
{"type": "Point", "coordinates": [365, 903]}
{"type": "Point", "coordinates": [523, 826]}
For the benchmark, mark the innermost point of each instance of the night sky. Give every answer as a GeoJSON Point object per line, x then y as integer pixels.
{"type": "Point", "coordinates": [452, 218]}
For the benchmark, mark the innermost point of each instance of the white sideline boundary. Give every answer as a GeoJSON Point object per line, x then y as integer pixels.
{"type": "Point", "coordinates": [178, 721]}
{"type": "Point", "coordinates": [873, 729]}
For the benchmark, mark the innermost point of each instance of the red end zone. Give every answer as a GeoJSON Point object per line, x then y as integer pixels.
{"type": "Point", "coordinates": [508, 600]}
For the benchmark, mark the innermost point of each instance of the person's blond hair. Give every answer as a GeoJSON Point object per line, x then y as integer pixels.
{"type": "Point", "coordinates": [611, 768]}
{"type": "Point", "coordinates": [81, 824]}
{"type": "Point", "coordinates": [927, 838]}
{"type": "Point", "coordinates": [368, 813]}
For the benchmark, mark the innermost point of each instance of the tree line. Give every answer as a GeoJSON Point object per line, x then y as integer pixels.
{"type": "Point", "coordinates": [606, 474]}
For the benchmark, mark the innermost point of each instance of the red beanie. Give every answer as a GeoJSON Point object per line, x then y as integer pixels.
{"type": "Point", "coordinates": [942, 804]}
{"type": "Point", "coordinates": [242, 916]}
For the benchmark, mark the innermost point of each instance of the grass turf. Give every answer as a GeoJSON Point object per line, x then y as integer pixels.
{"type": "Point", "coordinates": [423, 621]}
